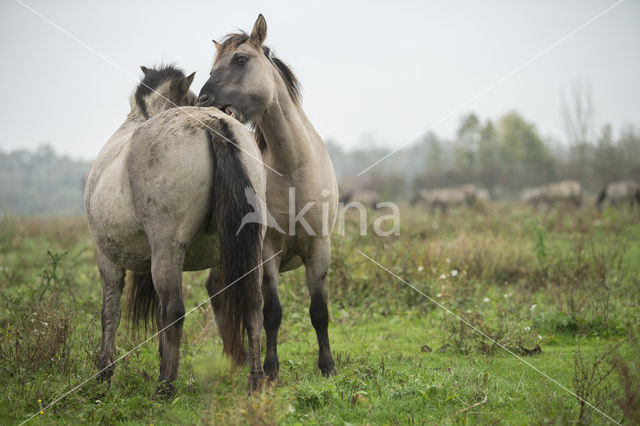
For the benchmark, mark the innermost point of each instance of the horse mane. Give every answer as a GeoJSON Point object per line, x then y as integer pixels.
{"type": "Point", "coordinates": [291, 82]}
{"type": "Point", "coordinates": [152, 80]}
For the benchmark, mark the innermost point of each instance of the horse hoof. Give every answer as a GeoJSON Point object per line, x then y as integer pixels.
{"type": "Point", "coordinates": [105, 376]}
{"type": "Point", "coordinates": [105, 371]}
{"type": "Point", "coordinates": [256, 382]}
{"type": "Point", "coordinates": [271, 370]}
{"type": "Point", "coordinates": [329, 372]}
{"type": "Point", "coordinates": [165, 390]}
{"type": "Point", "coordinates": [327, 366]}
{"type": "Point", "coordinates": [273, 378]}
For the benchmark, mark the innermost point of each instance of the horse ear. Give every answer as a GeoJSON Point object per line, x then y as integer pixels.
{"type": "Point", "coordinates": [188, 80]}
{"type": "Point", "coordinates": [259, 32]}
{"type": "Point", "coordinates": [216, 44]}
{"type": "Point", "coordinates": [145, 70]}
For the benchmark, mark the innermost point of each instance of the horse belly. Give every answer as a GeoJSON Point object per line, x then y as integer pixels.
{"type": "Point", "coordinates": [114, 227]}
{"type": "Point", "coordinates": [203, 253]}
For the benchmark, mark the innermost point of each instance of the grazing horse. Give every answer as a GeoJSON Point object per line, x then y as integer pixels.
{"type": "Point", "coordinates": [445, 198]}
{"type": "Point", "coordinates": [367, 197]}
{"type": "Point", "coordinates": [623, 191]}
{"type": "Point", "coordinates": [533, 196]}
{"type": "Point", "coordinates": [166, 194]}
{"type": "Point", "coordinates": [566, 192]}
{"type": "Point", "coordinates": [250, 82]}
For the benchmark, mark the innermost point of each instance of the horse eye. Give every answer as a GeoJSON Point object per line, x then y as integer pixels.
{"type": "Point", "coordinates": [241, 60]}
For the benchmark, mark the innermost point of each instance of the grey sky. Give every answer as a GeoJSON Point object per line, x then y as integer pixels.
{"type": "Point", "coordinates": [383, 68]}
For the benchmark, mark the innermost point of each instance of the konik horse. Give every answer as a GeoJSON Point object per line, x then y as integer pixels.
{"type": "Point", "coordinates": [167, 193]}
{"type": "Point", "coordinates": [250, 82]}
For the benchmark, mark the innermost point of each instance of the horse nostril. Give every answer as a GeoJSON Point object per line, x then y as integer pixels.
{"type": "Point", "coordinates": [203, 100]}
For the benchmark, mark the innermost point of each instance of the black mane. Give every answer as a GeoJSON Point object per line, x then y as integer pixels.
{"type": "Point", "coordinates": [153, 78]}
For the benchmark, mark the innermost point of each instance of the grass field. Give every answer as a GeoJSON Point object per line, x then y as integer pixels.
{"type": "Point", "coordinates": [560, 289]}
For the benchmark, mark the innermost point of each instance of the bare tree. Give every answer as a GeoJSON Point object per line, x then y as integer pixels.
{"type": "Point", "coordinates": [578, 114]}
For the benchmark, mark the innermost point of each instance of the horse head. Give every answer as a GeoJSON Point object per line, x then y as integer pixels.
{"type": "Point", "coordinates": [246, 77]}
{"type": "Point", "coordinates": [161, 89]}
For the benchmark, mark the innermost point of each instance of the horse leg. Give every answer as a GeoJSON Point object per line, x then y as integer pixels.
{"type": "Point", "coordinates": [166, 270]}
{"type": "Point", "coordinates": [158, 328]}
{"type": "Point", "coordinates": [112, 277]}
{"type": "Point", "coordinates": [272, 312]}
{"type": "Point", "coordinates": [316, 267]}
{"type": "Point", "coordinates": [252, 318]}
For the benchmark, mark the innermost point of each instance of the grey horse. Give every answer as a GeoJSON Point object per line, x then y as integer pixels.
{"type": "Point", "coordinates": [566, 192]}
{"type": "Point", "coordinates": [445, 198]}
{"type": "Point", "coordinates": [167, 193]}
{"type": "Point", "coordinates": [620, 193]}
{"type": "Point", "coordinates": [249, 81]}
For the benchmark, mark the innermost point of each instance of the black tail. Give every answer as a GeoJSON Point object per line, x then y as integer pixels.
{"type": "Point", "coordinates": [602, 196]}
{"type": "Point", "coordinates": [241, 254]}
{"type": "Point", "coordinates": [142, 301]}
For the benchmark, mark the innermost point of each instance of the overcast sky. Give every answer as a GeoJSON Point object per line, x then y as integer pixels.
{"type": "Point", "coordinates": [389, 69]}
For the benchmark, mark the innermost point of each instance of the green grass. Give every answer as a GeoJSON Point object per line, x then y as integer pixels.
{"type": "Point", "coordinates": [566, 282]}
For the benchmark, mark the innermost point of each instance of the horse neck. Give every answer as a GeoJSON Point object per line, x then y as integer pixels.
{"type": "Point", "coordinates": [135, 114]}
{"type": "Point", "coordinates": [291, 139]}
{"type": "Point", "coordinates": [154, 103]}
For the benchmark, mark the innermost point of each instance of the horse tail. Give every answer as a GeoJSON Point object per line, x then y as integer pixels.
{"type": "Point", "coordinates": [602, 196]}
{"type": "Point", "coordinates": [142, 300]}
{"type": "Point", "coordinates": [240, 243]}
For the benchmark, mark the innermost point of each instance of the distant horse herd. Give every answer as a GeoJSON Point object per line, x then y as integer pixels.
{"type": "Point", "coordinates": [565, 193]}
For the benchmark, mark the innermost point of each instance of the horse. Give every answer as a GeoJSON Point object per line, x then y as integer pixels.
{"type": "Point", "coordinates": [533, 196]}
{"type": "Point", "coordinates": [367, 197]}
{"type": "Point", "coordinates": [619, 192]}
{"type": "Point", "coordinates": [165, 194]}
{"type": "Point", "coordinates": [445, 198]}
{"type": "Point", "coordinates": [564, 192]}
{"type": "Point", "coordinates": [250, 82]}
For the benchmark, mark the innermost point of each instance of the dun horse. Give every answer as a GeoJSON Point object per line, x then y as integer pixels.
{"type": "Point", "coordinates": [445, 198]}
{"type": "Point", "coordinates": [167, 194]}
{"type": "Point", "coordinates": [564, 192]}
{"type": "Point", "coordinates": [367, 197]}
{"type": "Point", "coordinates": [619, 193]}
{"type": "Point", "coordinates": [247, 80]}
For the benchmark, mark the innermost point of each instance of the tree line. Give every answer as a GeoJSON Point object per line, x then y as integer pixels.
{"type": "Point", "coordinates": [41, 183]}
{"type": "Point", "coordinates": [503, 156]}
